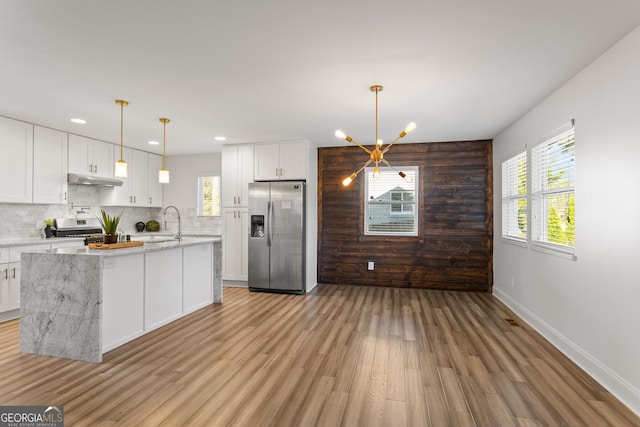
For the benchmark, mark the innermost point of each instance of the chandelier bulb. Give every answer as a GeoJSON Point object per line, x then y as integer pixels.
{"type": "Point", "coordinates": [342, 135]}
{"type": "Point", "coordinates": [379, 143]}
{"type": "Point", "coordinates": [348, 180]}
{"type": "Point", "coordinates": [410, 127]}
{"type": "Point", "coordinates": [406, 177]}
{"type": "Point", "coordinates": [376, 172]}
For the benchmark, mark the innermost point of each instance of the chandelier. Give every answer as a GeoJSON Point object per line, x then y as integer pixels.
{"type": "Point", "coordinates": [376, 155]}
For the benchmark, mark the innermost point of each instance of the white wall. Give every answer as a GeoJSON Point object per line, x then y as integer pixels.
{"type": "Point", "coordinates": [182, 191]}
{"type": "Point", "coordinates": [589, 308]}
{"type": "Point", "coordinates": [312, 220]}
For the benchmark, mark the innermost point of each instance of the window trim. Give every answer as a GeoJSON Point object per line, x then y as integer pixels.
{"type": "Point", "coordinates": [545, 245]}
{"type": "Point", "coordinates": [550, 248]}
{"type": "Point", "coordinates": [415, 214]}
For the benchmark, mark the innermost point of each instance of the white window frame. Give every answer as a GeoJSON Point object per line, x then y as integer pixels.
{"type": "Point", "coordinates": [541, 196]}
{"type": "Point", "coordinates": [409, 170]}
{"type": "Point", "coordinates": [513, 198]}
{"type": "Point", "coordinates": [217, 208]}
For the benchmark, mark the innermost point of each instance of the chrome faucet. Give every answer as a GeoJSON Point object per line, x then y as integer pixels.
{"type": "Point", "coordinates": [179, 236]}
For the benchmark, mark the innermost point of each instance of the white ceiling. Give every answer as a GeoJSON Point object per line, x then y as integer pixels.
{"type": "Point", "coordinates": [294, 69]}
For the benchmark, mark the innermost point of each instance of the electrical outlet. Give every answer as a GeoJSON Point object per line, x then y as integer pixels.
{"type": "Point", "coordinates": [370, 265]}
{"type": "Point", "coordinates": [513, 282]}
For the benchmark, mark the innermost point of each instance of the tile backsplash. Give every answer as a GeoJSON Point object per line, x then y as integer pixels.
{"type": "Point", "coordinates": [27, 220]}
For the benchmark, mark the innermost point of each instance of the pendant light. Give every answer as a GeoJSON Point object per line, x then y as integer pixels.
{"type": "Point", "coordinates": [163, 174]}
{"type": "Point", "coordinates": [376, 155]}
{"type": "Point", "coordinates": [121, 165]}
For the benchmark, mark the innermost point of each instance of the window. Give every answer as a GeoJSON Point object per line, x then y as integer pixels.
{"type": "Point", "coordinates": [400, 196]}
{"type": "Point", "coordinates": [553, 191]}
{"type": "Point", "coordinates": [209, 196]}
{"type": "Point", "coordinates": [540, 207]}
{"type": "Point", "coordinates": [514, 197]}
{"type": "Point", "coordinates": [390, 203]}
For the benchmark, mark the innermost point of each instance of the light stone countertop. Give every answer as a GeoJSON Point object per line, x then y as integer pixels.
{"type": "Point", "coordinates": [146, 247]}
{"type": "Point", "coordinates": [32, 241]}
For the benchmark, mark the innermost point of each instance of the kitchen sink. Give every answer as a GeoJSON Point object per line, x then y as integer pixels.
{"type": "Point", "coordinates": [154, 238]}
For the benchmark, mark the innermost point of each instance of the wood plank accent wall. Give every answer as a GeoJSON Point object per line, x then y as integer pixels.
{"type": "Point", "coordinates": [454, 246]}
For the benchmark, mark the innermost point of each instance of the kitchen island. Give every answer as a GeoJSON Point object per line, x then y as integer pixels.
{"type": "Point", "coordinates": [79, 303]}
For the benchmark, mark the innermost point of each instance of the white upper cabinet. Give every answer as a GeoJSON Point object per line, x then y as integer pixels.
{"type": "Point", "coordinates": [237, 173]}
{"type": "Point", "coordinates": [140, 187]}
{"type": "Point", "coordinates": [139, 178]}
{"type": "Point", "coordinates": [91, 157]}
{"type": "Point", "coordinates": [49, 166]}
{"type": "Point", "coordinates": [118, 196]}
{"type": "Point", "coordinates": [16, 161]}
{"type": "Point", "coordinates": [155, 188]}
{"type": "Point", "coordinates": [286, 161]}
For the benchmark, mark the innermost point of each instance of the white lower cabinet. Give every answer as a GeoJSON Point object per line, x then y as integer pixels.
{"type": "Point", "coordinates": [9, 285]}
{"type": "Point", "coordinates": [10, 279]}
{"type": "Point", "coordinates": [163, 287]}
{"type": "Point", "coordinates": [197, 277]}
{"type": "Point", "coordinates": [235, 229]}
{"type": "Point", "coordinates": [122, 299]}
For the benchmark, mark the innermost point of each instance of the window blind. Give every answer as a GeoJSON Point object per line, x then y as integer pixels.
{"type": "Point", "coordinates": [514, 197]}
{"type": "Point", "coordinates": [553, 191]}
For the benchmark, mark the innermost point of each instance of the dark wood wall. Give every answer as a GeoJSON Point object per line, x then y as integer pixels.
{"type": "Point", "coordinates": [454, 246]}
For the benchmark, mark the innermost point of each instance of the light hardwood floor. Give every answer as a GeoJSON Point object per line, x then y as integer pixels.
{"type": "Point", "coordinates": [343, 355]}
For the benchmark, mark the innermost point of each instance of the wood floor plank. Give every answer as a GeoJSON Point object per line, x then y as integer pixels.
{"type": "Point", "coordinates": [341, 355]}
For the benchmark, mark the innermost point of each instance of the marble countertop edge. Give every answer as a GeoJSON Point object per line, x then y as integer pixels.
{"type": "Point", "coordinates": [146, 247]}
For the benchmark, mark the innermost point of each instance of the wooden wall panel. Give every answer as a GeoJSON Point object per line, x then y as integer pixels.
{"type": "Point", "coordinates": [455, 243]}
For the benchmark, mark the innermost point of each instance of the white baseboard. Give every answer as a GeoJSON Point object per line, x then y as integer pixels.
{"type": "Point", "coordinates": [621, 389]}
{"type": "Point", "coordinates": [234, 283]}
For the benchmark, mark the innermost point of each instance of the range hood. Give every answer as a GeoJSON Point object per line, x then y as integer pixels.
{"type": "Point", "coordinates": [76, 178]}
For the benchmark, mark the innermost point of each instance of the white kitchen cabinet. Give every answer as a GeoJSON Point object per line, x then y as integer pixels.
{"type": "Point", "coordinates": [155, 188]}
{"type": "Point", "coordinates": [139, 178]}
{"type": "Point", "coordinates": [16, 161]}
{"type": "Point", "coordinates": [135, 189]}
{"type": "Point", "coordinates": [4, 279]}
{"type": "Point", "coordinates": [10, 276]}
{"type": "Point", "coordinates": [91, 157]}
{"type": "Point", "coordinates": [9, 286]}
{"type": "Point", "coordinates": [50, 151]}
{"type": "Point", "coordinates": [122, 299]}
{"type": "Point", "coordinates": [163, 287]}
{"type": "Point", "coordinates": [235, 231]}
{"type": "Point", "coordinates": [282, 161]}
{"type": "Point", "coordinates": [119, 196]}
{"type": "Point", "coordinates": [197, 277]}
{"type": "Point", "coordinates": [237, 173]}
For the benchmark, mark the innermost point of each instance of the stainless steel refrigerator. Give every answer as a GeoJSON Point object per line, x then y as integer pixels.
{"type": "Point", "coordinates": [277, 236]}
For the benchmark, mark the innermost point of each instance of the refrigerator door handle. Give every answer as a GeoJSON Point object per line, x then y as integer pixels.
{"type": "Point", "coordinates": [268, 223]}
{"type": "Point", "coordinates": [271, 214]}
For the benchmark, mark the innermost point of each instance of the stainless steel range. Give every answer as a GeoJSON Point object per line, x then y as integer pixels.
{"type": "Point", "coordinates": [87, 228]}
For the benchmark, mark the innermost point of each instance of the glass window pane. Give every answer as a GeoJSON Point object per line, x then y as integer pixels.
{"type": "Point", "coordinates": [390, 206]}
{"type": "Point", "coordinates": [209, 196]}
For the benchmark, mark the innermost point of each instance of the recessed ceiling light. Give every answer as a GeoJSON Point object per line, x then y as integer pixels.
{"type": "Point", "coordinates": [154, 143]}
{"type": "Point", "coordinates": [78, 121]}
{"type": "Point", "coordinates": [220, 138]}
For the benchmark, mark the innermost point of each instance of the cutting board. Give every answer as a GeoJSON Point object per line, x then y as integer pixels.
{"type": "Point", "coordinates": [114, 245]}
